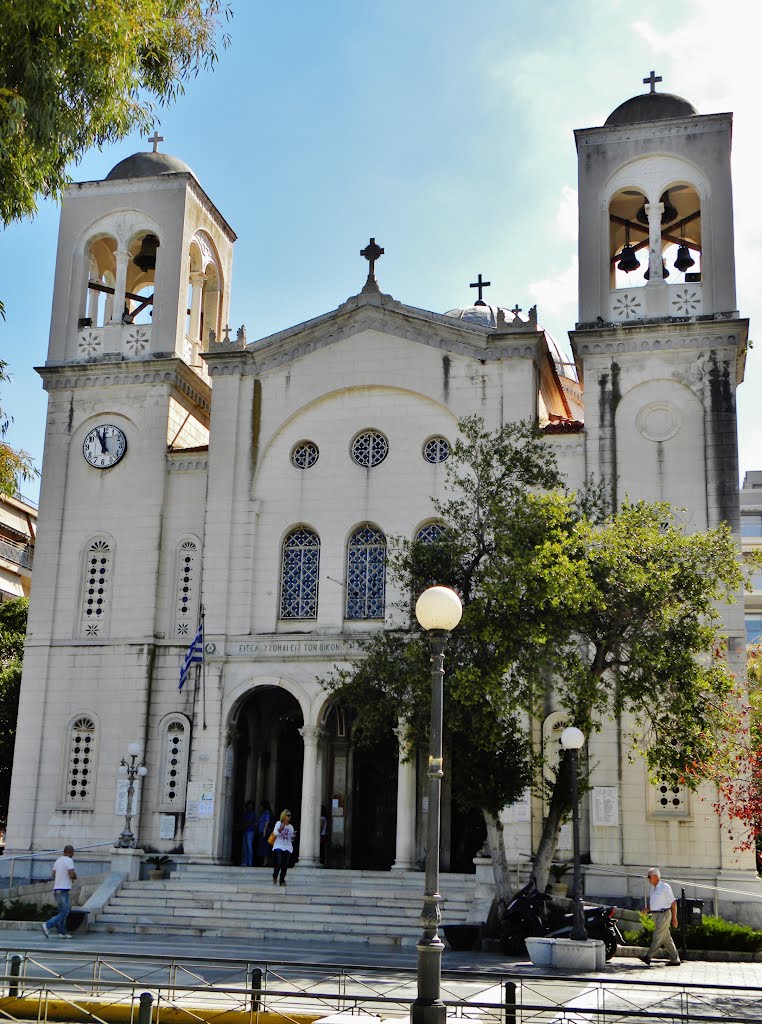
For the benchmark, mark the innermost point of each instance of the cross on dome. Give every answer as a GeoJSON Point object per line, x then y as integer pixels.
{"type": "Point", "coordinates": [652, 79]}
{"type": "Point", "coordinates": [517, 309]}
{"type": "Point", "coordinates": [481, 285]}
{"type": "Point", "coordinates": [155, 139]}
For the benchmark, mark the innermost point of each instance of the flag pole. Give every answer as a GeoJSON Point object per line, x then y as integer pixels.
{"type": "Point", "coordinates": [203, 669]}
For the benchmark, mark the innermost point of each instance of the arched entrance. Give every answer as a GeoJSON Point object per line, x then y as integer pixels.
{"type": "Point", "coordinates": [268, 755]}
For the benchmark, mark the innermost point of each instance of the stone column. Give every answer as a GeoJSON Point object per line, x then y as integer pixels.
{"type": "Point", "coordinates": [654, 212]}
{"type": "Point", "coordinates": [194, 331]}
{"type": "Point", "coordinates": [309, 826]}
{"type": "Point", "coordinates": [120, 285]}
{"type": "Point", "coordinates": [405, 845]}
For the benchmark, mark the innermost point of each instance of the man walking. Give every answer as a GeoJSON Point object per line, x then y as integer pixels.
{"type": "Point", "coordinates": [63, 875]}
{"type": "Point", "coordinates": [662, 906]}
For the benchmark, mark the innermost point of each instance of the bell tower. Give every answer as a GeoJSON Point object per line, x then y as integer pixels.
{"type": "Point", "coordinates": [143, 267]}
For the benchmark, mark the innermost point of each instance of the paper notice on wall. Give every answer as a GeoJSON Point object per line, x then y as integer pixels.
{"type": "Point", "coordinates": [122, 787]}
{"type": "Point", "coordinates": [565, 837]}
{"type": "Point", "coordinates": [191, 801]}
{"type": "Point", "coordinates": [605, 806]}
{"type": "Point", "coordinates": [522, 809]}
{"type": "Point", "coordinates": [206, 800]}
{"type": "Point", "coordinates": [166, 826]}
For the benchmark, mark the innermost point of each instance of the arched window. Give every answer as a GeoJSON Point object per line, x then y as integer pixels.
{"type": "Point", "coordinates": [175, 745]}
{"type": "Point", "coordinates": [80, 769]}
{"type": "Point", "coordinates": [300, 568]}
{"type": "Point", "coordinates": [366, 574]}
{"type": "Point", "coordinates": [96, 596]}
{"type": "Point", "coordinates": [187, 588]}
{"type": "Point", "coordinates": [430, 533]}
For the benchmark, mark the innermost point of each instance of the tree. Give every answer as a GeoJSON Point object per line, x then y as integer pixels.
{"type": "Point", "coordinates": [82, 73]}
{"type": "Point", "coordinates": [12, 632]}
{"type": "Point", "coordinates": [15, 463]}
{"type": "Point", "coordinates": [614, 613]}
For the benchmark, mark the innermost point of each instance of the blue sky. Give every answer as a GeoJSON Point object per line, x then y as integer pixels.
{"type": "Point", "coordinates": [441, 127]}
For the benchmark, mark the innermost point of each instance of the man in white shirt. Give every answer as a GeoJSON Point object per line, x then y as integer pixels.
{"type": "Point", "coordinates": [662, 906]}
{"type": "Point", "coordinates": [63, 875]}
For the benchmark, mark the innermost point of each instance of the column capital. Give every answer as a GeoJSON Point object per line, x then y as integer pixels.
{"type": "Point", "coordinates": [310, 734]}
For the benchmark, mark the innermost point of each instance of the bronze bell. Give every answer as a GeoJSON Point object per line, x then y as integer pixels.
{"type": "Point", "coordinates": [628, 261]}
{"type": "Point", "coordinates": [668, 214]}
{"type": "Point", "coordinates": [684, 259]}
{"type": "Point", "coordinates": [146, 258]}
{"type": "Point", "coordinates": [664, 272]}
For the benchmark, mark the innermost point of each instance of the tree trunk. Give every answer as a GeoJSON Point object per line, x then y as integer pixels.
{"type": "Point", "coordinates": [560, 803]}
{"type": "Point", "coordinates": [496, 843]}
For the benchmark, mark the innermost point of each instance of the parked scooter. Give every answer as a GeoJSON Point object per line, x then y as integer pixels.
{"type": "Point", "coordinates": [526, 917]}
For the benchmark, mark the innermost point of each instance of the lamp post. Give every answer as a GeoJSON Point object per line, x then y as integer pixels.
{"type": "Point", "coordinates": [127, 840]}
{"type": "Point", "coordinates": [438, 611]}
{"type": "Point", "coordinates": [572, 739]}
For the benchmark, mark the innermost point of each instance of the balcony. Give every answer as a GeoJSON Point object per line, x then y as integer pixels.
{"type": "Point", "coordinates": [20, 554]}
{"type": "Point", "coordinates": [679, 300]}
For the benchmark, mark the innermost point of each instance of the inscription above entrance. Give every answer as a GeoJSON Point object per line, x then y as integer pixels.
{"type": "Point", "coordinates": [275, 647]}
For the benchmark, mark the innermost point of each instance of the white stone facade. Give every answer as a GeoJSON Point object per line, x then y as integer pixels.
{"type": "Point", "coordinates": [207, 494]}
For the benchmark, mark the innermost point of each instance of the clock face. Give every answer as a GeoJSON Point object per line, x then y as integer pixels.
{"type": "Point", "coordinates": [104, 446]}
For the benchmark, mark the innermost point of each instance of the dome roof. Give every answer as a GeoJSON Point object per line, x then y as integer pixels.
{"type": "Point", "coordinates": [483, 314]}
{"type": "Point", "coordinates": [147, 165]}
{"type": "Point", "coordinates": [651, 106]}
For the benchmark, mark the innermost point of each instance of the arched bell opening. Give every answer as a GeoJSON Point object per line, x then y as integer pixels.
{"type": "Point", "coordinates": [140, 282]}
{"type": "Point", "coordinates": [267, 754]}
{"type": "Point", "coordinates": [628, 239]}
{"type": "Point", "coordinates": [681, 238]}
{"type": "Point", "coordinates": [101, 276]}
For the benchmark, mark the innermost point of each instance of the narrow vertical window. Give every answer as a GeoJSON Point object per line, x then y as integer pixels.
{"type": "Point", "coordinates": [97, 589]}
{"type": "Point", "coordinates": [175, 746]}
{"type": "Point", "coordinates": [366, 574]}
{"type": "Point", "coordinates": [300, 568]}
{"type": "Point", "coordinates": [79, 782]}
{"type": "Point", "coordinates": [188, 578]}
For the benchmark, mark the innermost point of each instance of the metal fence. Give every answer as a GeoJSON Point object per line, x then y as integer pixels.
{"type": "Point", "coordinates": [40, 985]}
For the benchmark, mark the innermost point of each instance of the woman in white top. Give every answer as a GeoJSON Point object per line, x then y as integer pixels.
{"type": "Point", "coordinates": [283, 846]}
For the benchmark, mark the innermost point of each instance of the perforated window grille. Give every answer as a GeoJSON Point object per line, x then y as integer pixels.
{"type": "Point", "coordinates": [430, 533]}
{"type": "Point", "coordinates": [436, 450]}
{"type": "Point", "coordinates": [300, 571]}
{"type": "Point", "coordinates": [187, 588]}
{"type": "Point", "coordinates": [370, 448]}
{"type": "Point", "coordinates": [305, 454]}
{"type": "Point", "coordinates": [670, 801]}
{"type": "Point", "coordinates": [175, 762]}
{"type": "Point", "coordinates": [80, 767]}
{"type": "Point", "coordinates": [366, 574]}
{"type": "Point", "coordinates": [97, 589]}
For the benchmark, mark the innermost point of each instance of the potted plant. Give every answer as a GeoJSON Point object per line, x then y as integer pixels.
{"type": "Point", "coordinates": [559, 888]}
{"type": "Point", "coordinates": [158, 864]}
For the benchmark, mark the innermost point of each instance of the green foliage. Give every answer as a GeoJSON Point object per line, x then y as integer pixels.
{"type": "Point", "coordinates": [712, 933]}
{"type": "Point", "coordinates": [82, 73]}
{"type": "Point", "coordinates": [15, 465]}
{"type": "Point", "coordinates": [25, 910]}
{"type": "Point", "coordinates": [13, 615]}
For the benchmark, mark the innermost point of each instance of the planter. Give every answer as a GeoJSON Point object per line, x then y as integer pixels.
{"type": "Point", "coordinates": [157, 874]}
{"type": "Point", "coordinates": [462, 937]}
{"type": "Point", "coordinates": [559, 889]}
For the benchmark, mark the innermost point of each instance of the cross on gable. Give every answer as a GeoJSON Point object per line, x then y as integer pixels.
{"type": "Point", "coordinates": [517, 309]}
{"type": "Point", "coordinates": [652, 79]}
{"type": "Point", "coordinates": [372, 252]}
{"type": "Point", "coordinates": [481, 285]}
{"type": "Point", "coordinates": [155, 139]}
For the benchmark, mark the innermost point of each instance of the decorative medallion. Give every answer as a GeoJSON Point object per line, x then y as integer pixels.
{"type": "Point", "coordinates": [658, 421]}
{"type": "Point", "coordinates": [628, 306]}
{"type": "Point", "coordinates": [686, 302]}
{"type": "Point", "coordinates": [89, 344]}
{"type": "Point", "coordinates": [137, 341]}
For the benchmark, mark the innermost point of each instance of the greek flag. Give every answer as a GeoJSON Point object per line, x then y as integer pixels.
{"type": "Point", "coordinates": [194, 655]}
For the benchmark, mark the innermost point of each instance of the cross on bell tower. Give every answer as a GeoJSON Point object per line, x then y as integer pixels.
{"type": "Point", "coordinates": [481, 285]}
{"type": "Point", "coordinates": [155, 139]}
{"type": "Point", "coordinates": [652, 79]}
{"type": "Point", "coordinates": [371, 252]}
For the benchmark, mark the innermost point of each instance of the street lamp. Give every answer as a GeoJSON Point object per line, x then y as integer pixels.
{"type": "Point", "coordinates": [572, 739]}
{"type": "Point", "coordinates": [128, 841]}
{"type": "Point", "coordinates": [438, 611]}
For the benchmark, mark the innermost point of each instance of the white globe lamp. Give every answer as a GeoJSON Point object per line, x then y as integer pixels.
{"type": "Point", "coordinates": [438, 608]}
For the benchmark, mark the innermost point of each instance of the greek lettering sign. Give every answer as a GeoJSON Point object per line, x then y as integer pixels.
{"type": "Point", "coordinates": [276, 647]}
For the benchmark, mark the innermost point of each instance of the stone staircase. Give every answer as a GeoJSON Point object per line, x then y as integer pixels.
{"type": "Point", "coordinates": [366, 907]}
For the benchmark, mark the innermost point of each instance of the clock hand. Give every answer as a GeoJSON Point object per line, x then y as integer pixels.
{"type": "Point", "coordinates": [102, 439]}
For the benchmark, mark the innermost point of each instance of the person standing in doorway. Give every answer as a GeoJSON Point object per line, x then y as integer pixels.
{"type": "Point", "coordinates": [662, 906]}
{"type": "Point", "coordinates": [283, 846]}
{"type": "Point", "coordinates": [249, 830]}
{"type": "Point", "coordinates": [265, 828]}
{"type": "Point", "coordinates": [63, 875]}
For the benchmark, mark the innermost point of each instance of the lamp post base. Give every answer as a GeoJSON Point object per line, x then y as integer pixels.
{"type": "Point", "coordinates": [428, 1007]}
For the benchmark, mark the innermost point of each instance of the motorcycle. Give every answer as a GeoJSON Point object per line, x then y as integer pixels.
{"type": "Point", "coordinates": [526, 917]}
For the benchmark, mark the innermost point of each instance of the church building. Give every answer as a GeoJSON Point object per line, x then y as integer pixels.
{"type": "Point", "coordinates": [187, 467]}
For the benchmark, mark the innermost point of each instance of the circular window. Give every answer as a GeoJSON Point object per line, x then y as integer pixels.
{"type": "Point", "coordinates": [304, 455]}
{"type": "Point", "coordinates": [437, 449]}
{"type": "Point", "coordinates": [370, 448]}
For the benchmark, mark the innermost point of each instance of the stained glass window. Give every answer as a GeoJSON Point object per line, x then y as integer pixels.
{"type": "Point", "coordinates": [305, 455]}
{"type": "Point", "coordinates": [80, 768]}
{"type": "Point", "coordinates": [370, 448]}
{"type": "Point", "coordinates": [366, 574]}
{"type": "Point", "coordinates": [437, 449]}
{"type": "Point", "coordinates": [430, 533]}
{"type": "Point", "coordinates": [299, 575]}
{"type": "Point", "coordinates": [95, 599]}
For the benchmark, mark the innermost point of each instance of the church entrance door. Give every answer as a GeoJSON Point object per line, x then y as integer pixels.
{"type": "Point", "coordinates": [269, 754]}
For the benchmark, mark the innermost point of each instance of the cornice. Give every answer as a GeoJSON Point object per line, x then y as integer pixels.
{"type": "Point", "coordinates": [654, 336]}
{"type": "Point", "coordinates": [187, 461]}
{"type": "Point", "coordinates": [208, 206]}
{"type": "Point", "coordinates": [171, 371]}
{"type": "Point", "coordinates": [645, 130]}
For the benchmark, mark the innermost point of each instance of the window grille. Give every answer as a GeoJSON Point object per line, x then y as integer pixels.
{"type": "Point", "coordinates": [175, 763]}
{"type": "Point", "coordinates": [366, 574]}
{"type": "Point", "coordinates": [300, 569]}
{"type": "Point", "coordinates": [187, 588]}
{"type": "Point", "coordinates": [80, 765]}
{"type": "Point", "coordinates": [430, 533]}
{"type": "Point", "coordinates": [669, 801]}
{"type": "Point", "coordinates": [97, 589]}
{"type": "Point", "coordinates": [437, 449]}
{"type": "Point", "coordinates": [370, 448]}
{"type": "Point", "coordinates": [304, 455]}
